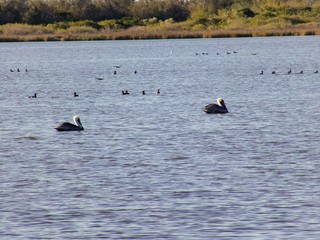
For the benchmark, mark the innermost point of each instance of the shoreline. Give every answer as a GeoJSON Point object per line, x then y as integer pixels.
{"type": "Point", "coordinates": [145, 34]}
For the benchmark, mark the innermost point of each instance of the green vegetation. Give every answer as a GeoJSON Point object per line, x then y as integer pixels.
{"type": "Point", "coordinates": [45, 20]}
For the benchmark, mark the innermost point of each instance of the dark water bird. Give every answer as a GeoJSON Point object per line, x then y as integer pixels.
{"type": "Point", "coordinates": [301, 72]}
{"type": "Point", "coordinates": [235, 52]}
{"type": "Point", "coordinates": [66, 126]}
{"type": "Point", "coordinates": [261, 73]}
{"type": "Point", "coordinates": [316, 71]}
{"type": "Point", "coordinates": [18, 70]}
{"type": "Point", "coordinates": [11, 70]}
{"type": "Point", "coordinates": [135, 72]}
{"type": "Point", "coordinates": [34, 96]}
{"type": "Point", "coordinates": [75, 94]}
{"type": "Point", "coordinates": [158, 92]}
{"type": "Point", "coordinates": [290, 71]}
{"type": "Point", "coordinates": [273, 72]}
{"type": "Point", "coordinates": [125, 92]}
{"type": "Point", "coordinates": [143, 92]}
{"type": "Point", "coordinates": [114, 72]}
{"type": "Point", "coordinates": [216, 108]}
{"type": "Point", "coordinates": [253, 53]}
{"type": "Point", "coordinates": [26, 70]}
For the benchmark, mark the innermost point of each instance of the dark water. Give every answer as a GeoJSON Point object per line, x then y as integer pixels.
{"type": "Point", "coordinates": [156, 166]}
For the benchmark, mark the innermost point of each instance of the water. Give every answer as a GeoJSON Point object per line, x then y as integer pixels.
{"type": "Point", "coordinates": [156, 166]}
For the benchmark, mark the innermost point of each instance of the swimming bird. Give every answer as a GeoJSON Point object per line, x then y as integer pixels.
{"type": "Point", "coordinates": [125, 92]}
{"type": "Point", "coordinates": [34, 96]}
{"type": "Point", "coordinates": [158, 92]}
{"type": "Point", "coordinates": [66, 126]}
{"type": "Point", "coordinates": [290, 71]}
{"type": "Point", "coordinates": [316, 71]}
{"type": "Point", "coordinates": [143, 92]}
{"type": "Point", "coordinates": [216, 108]}
{"type": "Point", "coordinates": [75, 94]}
{"type": "Point", "coordinates": [135, 72]}
{"type": "Point", "coordinates": [301, 72]}
{"type": "Point", "coordinates": [114, 72]}
{"type": "Point", "coordinates": [117, 66]}
{"type": "Point", "coordinates": [261, 73]}
{"type": "Point", "coordinates": [11, 70]}
{"type": "Point", "coordinates": [99, 78]}
{"type": "Point", "coordinates": [273, 72]}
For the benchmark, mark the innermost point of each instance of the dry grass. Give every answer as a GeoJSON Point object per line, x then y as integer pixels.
{"type": "Point", "coordinates": [74, 34]}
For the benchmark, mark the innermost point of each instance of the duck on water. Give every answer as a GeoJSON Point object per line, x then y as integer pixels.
{"type": "Point", "coordinates": [216, 108]}
{"type": "Point", "coordinates": [66, 126]}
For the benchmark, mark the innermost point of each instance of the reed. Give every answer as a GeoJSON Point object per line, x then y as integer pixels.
{"type": "Point", "coordinates": [41, 33]}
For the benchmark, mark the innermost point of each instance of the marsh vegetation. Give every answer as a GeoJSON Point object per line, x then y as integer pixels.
{"type": "Point", "coordinates": [41, 20]}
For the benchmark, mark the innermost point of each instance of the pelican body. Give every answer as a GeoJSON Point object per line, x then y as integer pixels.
{"type": "Point", "coordinates": [66, 126]}
{"type": "Point", "coordinates": [216, 108]}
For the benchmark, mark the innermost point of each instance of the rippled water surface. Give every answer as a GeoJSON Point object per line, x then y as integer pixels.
{"type": "Point", "coordinates": [156, 166]}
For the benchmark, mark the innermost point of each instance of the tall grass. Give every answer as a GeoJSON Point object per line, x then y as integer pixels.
{"type": "Point", "coordinates": [20, 32]}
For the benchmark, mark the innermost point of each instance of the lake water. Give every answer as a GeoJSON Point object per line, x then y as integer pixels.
{"type": "Point", "coordinates": [156, 166]}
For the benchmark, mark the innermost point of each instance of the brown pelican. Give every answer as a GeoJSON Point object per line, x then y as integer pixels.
{"type": "Point", "coordinates": [66, 126]}
{"type": "Point", "coordinates": [216, 108]}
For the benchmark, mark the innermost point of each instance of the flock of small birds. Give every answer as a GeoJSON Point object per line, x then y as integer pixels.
{"type": "Point", "coordinates": [290, 72]}
{"type": "Point", "coordinates": [228, 53]}
{"type": "Point", "coordinates": [75, 94]}
{"type": "Point", "coordinates": [18, 70]}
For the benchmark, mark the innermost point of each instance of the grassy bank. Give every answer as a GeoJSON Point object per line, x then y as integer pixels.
{"type": "Point", "coordinates": [20, 33]}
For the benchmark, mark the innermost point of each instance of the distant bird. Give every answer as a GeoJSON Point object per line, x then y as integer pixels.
{"type": "Point", "coordinates": [228, 53]}
{"type": "Point", "coordinates": [158, 92]}
{"type": "Point", "coordinates": [290, 71]}
{"type": "Point", "coordinates": [197, 53]}
{"type": "Point", "coordinates": [253, 53]}
{"type": "Point", "coordinates": [135, 72]}
{"type": "Point", "coordinates": [261, 73]}
{"type": "Point", "coordinates": [143, 92]}
{"type": "Point", "coordinates": [26, 70]}
{"type": "Point", "coordinates": [114, 72]}
{"type": "Point", "coordinates": [99, 78]}
{"type": "Point", "coordinates": [11, 70]}
{"type": "Point", "coordinates": [66, 126]}
{"type": "Point", "coordinates": [34, 96]}
{"type": "Point", "coordinates": [117, 66]}
{"type": "Point", "coordinates": [316, 71]}
{"type": "Point", "coordinates": [217, 53]}
{"type": "Point", "coordinates": [235, 52]}
{"type": "Point", "coordinates": [216, 108]}
{"type": "Point", "coordinates": [75, 94]}
{"type": "Point", "coordinates": [301, 72]}
{"type": "Point", "coordinates": [125, 92]}
{"type": "Point", "coordinates": [18, 70]}
{"type": "Point", "coordinates": [273, 72]}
